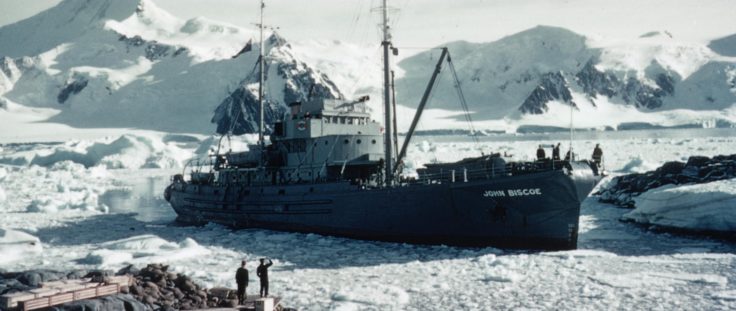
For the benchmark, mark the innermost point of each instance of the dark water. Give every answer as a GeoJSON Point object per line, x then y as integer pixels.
{"type": "Point", "coordinates": [144, 197]}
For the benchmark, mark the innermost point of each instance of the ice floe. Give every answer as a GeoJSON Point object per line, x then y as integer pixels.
{"type": "Point", "coordinates": [16, 245]}
{"type": "Point", "coordinates": [143, 249]}
{"type": "Point", "coordinates": [708, 206]}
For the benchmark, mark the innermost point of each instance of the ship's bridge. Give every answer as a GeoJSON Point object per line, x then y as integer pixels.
{"type": "Point", "coordinates": [326, 117]}
{"type": "Point", "coordinates": [327, 138]}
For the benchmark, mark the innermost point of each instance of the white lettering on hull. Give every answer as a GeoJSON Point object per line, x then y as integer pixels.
{"type": "Point", "coordinates": [512, 193]}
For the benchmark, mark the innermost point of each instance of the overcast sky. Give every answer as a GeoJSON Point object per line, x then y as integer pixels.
{"type": "Point", "coordinates": [424, 23]}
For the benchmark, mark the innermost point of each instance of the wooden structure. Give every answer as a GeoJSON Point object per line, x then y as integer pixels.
{"type": "Point", "coordinates": [60, 292]}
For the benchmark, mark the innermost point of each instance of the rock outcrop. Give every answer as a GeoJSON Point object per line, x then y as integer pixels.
{"type": "Point", "coordinates": [698, 169]}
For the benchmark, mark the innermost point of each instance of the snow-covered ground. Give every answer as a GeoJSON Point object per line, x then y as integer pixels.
{"type": "Point", "coordinates": [97, 214]}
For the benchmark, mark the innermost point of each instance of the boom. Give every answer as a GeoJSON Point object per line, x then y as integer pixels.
{"type": "Point", "coordinates": [420, 109]}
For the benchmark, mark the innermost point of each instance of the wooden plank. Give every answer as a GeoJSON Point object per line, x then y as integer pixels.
{"type": "Point", "coordinates": [70, 287]}
{"type": "Point", "coordinates": [33, 304]}
{"type": "Point", "coordinates": [61, 298]}
{"type": "Point", "coordinates": [108, 289]}
{"type": "Point", "coordinates": [54, 284]}
{"type": "Point", "coordinates": [91, 285]}
{"type": "Point", "coordinates": [122, 280]}
{"type": "Point", "coordinates": [85, 293]}
{"type": "Point", "coordinates": [44, 292]}
{"type": "Point", "coordinates": [8, 301]}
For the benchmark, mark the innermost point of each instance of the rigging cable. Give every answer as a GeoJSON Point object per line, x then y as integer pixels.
{"type": "Point", "coordinates": [463, 102]}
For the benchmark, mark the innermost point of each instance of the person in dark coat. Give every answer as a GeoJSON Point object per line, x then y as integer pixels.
{"type": "Point", "coordinates": [556, 152]}
{"type": "Point", "coordinates": [262, 273]}
{"type": "Point", "coordinates": [241, 277]}
{"type": "Point", "coordinates": [597, 154]}
{"type": "Point", "coordinates": [540, 153]}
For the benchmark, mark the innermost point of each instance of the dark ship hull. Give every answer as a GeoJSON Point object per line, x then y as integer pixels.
{"type": "Point", "coordinates": [531, 211]}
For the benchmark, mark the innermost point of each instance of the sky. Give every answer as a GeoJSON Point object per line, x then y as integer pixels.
{"type": "Point", "coordinates": [428, 23]}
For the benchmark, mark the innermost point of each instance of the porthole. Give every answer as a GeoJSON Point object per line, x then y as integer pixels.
{"type": "Point", "coordinates": [358, 141]}
{"type": "Point", "coordinates": [373, 141]}
{"type": "Point", "coordinates": [327, 142]}
{"type": "Point", "coordinates": [347, 141]}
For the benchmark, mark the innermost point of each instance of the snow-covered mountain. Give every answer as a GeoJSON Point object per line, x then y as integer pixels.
{"type": "Point", "coordinates": [129, 64]}
{"type": "Point", "coordinates": [527, 73]}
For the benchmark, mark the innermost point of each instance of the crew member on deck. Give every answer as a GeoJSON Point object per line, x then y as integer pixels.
{"type": "Point", "coordinates": [597, 154]}
{"type": "Point", "coordinates": [556, 152]}
{"type": "Point", "coordinates": [262, 273]}
{"type": "Point", "coordinates": [241, 277]}
{"type": "Point", "coordinates": [540, 153]}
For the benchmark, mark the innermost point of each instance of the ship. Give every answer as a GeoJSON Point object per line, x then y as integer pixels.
{"type": "Point", "coordinates": [328, 168]}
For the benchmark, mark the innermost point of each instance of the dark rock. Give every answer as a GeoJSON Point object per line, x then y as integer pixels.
{"type": "Point", "coordinates": [71, 88]}
{"type": "Point", "coordinates": [697, 161]}
{"type": "Point", "coordinates": [108, 303]}
{"type": "Point", "coordinates": [230, 303]}
{"type": "Point", "coordinates": [178, 293]}
{"type": "Point", "coordinates": [31, 279]}
{"type": "Point", "coordinates": [34, 278]}
{"type": "Point", "coordinates": [136, 290]}
{"type": "Point", "coordinates": [76, 274]}
{"type": "Point", "coordinates": [98, 275]}
{"type": "Point", "coordinates": [130, 269]}
{"type": "Point", "coordinates": [698, 169]}
{"type": "Point", "coordinates": [552, 86]}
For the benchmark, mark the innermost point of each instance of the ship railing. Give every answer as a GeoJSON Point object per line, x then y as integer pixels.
{"type": "Point", "coordinates": [197, 165]}
{"type": "Point", "coordinates": [462, 174]}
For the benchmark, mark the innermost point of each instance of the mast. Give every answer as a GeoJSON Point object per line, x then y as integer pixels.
{"type": "Point", "coordinates": [388, 136]}
{"type": "Point", "coordinates": [260, 84]}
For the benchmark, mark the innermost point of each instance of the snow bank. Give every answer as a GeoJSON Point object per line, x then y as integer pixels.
{"type": "Point", "coordinates": [16, 245]}
{"type": "Point", "coordinates": [126, 151]}
{"type": "Point", "coordinates": [709, 206]}
{"type": "Point", "coordinates": [144, 249]}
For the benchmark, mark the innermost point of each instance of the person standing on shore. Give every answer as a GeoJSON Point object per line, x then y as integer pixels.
{"type": "Point", "coordinates": [262, 273]}
{"type": "Point", "coordinates": [241, 277]}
